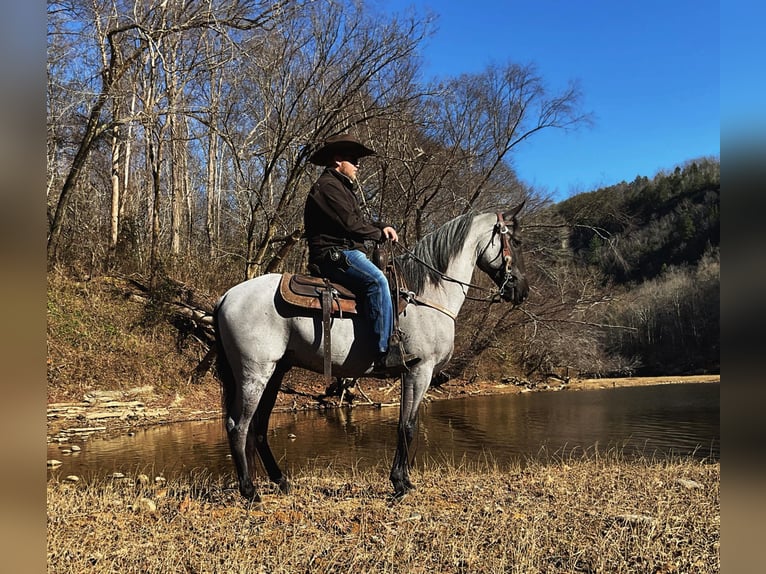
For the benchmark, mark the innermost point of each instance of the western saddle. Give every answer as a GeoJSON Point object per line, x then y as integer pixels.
{"type": "Point", "coordinates": [334, 300]}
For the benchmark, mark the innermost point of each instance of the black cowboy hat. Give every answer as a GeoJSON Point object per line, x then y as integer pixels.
{"type": "Point", "coordinates": [343, 145]}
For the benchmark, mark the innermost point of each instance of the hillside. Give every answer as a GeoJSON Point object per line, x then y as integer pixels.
{"type": "Point", "coordinates": [649, 252]}
{"type": "Point", "coordinates": [99, 339]}
{"type": "Point", "coordinates": [632, 232]}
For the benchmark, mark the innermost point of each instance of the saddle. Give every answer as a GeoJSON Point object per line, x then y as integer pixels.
{"type": "Point", "coordinates": [333, 300]}
{"type": "Point", "coordinates": [307, 291]}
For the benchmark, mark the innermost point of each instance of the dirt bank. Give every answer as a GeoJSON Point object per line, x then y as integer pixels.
{"type": "Point", "coordinates": [607, 382]}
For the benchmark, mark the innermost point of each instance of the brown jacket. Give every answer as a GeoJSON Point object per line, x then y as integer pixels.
{"type": "Point", "coordinates": [333, 218]}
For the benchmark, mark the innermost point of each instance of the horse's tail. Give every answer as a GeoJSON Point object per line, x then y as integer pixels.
{"type": "Point", "coordinates": [225, 373]}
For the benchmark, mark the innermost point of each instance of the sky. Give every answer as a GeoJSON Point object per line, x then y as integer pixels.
{"type": "Point", "coordinates": [648, 72]}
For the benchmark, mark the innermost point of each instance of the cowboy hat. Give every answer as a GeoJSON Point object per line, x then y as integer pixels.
{"type": "Point", "coordinates": [343, 145]}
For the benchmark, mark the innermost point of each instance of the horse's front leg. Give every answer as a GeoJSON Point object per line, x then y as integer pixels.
{"type": "Point", "coordinates": [414, 387]}
{"type": "Point", "coordinates": [400, 471]}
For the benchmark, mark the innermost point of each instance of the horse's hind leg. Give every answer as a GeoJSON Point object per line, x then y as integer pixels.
{"type": "Point", "coordinates": [237, 433]}
{"type": "Point", "coordinates": [259, 430]}
{"type": "Point", "coordinates": [237, 428]}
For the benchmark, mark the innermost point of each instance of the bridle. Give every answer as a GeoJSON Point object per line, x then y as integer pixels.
{"type": "Point", "coordinates": [493, 295]}
{"type": "Point", "coordinates": [501, 228]}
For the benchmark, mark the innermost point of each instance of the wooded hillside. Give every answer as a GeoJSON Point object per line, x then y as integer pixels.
{"type": "Point", "coordinates": [178, 138]}
{"type": "Point", "coordinates": [656, 241]}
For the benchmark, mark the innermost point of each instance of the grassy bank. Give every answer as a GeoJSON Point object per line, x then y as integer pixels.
{"type": "Point", "coordinates": [599, 513]}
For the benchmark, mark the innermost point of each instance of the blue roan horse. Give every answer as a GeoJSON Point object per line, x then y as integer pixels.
{"type": "Point", "coordinates": [260, 337]}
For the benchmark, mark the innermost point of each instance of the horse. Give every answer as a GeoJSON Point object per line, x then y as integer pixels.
{"type": "Point", "coordinates": [259, 337]}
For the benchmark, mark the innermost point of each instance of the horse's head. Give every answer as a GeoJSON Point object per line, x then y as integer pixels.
{"type": "Point", "coordinates": [501, 257]}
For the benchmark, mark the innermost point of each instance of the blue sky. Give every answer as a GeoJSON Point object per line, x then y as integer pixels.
{"type": "Point", "coordinates": [648, 71]}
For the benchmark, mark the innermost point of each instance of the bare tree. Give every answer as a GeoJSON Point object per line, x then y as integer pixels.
{"type": "Point", "coordinates": [452, 150]}
{"type": "Point", "coordinates": [129, 32]}
{"type": "Point", "coordinates": [316, 76]}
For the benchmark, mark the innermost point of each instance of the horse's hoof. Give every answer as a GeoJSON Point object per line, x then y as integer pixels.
{"type": "Point", "coordinates": [400, 495]}
{"type": "Point", "coordinates": [249, 493]}
{"type": "Point", "coordinates": [402, 491]}
{"type": "Point", "coordinates": [285, 486]}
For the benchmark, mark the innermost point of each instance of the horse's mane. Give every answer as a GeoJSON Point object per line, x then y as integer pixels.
{"type": "Point", "coordinates": [436, 250]}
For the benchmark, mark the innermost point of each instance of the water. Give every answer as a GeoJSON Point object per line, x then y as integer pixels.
{"type": "Point", "coordinates": [654, 422]}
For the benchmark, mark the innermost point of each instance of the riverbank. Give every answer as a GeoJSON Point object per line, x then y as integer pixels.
{"type": "Point", "coordinates": [595, 514]}
{"type": "Point", "coordinates": [116, 364]}
{"type": "Point", "coordinates": [107, 413]}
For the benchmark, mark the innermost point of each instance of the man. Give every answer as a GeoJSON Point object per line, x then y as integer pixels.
{"type": "Point", "coordinates": [336, 231]}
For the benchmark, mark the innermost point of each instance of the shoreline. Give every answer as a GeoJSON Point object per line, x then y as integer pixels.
{"type": "Point", "coordinates": [614, 382]}
{"type": "Point", "coordinates": [114, 413]}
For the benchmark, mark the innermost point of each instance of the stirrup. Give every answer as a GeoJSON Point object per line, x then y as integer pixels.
{"type": "Point", "coordinates": [395, 361]}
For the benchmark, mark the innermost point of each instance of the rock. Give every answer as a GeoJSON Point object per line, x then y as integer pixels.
{"type": "Point", "coordinates": [86, 430]}
{"type": "Point", "coordinates": [99, 415]}
{"type": "Point", "coordinates": [72, 478]}
{"type": "Point", "coordinates": [75, 448]}
{"type": "Point", "coordinates": [145, 390]}
{"type": "Point", "coordinates": [145, 505]}
{"type": "Point", "coordinates": [122, 404]}
{"type": "Point", "coordinates": [118, 475]}
{"type": "Point", "coordinates": [61, 406]}
{"type": "Point", "coordinates": [54, 462]}
{"type": "Point", "coordinates": [690, 484]}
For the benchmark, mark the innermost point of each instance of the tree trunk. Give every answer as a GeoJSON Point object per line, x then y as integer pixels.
{"type": "Point", "coordinates": [73, 177]}
{"type": "Point", "coordinates": [175, 175]}
{"type": "Point", "coordinates": [212, 165]}
{"type": "Point", "coordinates": [114, 218]}
{"type": "Point", "coordinates": [154, 167]}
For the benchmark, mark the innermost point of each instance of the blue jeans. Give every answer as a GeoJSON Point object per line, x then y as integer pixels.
{"type": "Point", "coordinates": [370, 286]}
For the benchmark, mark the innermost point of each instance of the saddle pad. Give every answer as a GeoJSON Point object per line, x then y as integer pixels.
{"type": "Point", "coordinates": [305, 291]}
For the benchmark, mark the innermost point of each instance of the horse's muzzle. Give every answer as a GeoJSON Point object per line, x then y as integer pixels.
{"type": "Point", "coordinates": [514, 289]}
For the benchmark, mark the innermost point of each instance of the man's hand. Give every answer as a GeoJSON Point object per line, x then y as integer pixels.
{"type": "Point", "coordinates": [390, 233]}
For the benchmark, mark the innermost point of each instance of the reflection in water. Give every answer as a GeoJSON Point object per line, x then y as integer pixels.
{"type": "Point", "coordinates": [650, 421]}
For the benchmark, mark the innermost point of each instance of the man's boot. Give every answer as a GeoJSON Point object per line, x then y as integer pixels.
{"type": "Point", "coordinates": [394, 361]}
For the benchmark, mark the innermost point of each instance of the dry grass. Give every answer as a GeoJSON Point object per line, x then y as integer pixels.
{"type": "Point", "coordinates": [599, 513]}
{"type": "Point", "coordinates": [97, 339]}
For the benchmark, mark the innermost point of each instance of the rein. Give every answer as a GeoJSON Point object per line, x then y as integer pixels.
{"type": "Point", "coordinates": [442, 276]}
{"type": "Point", "coordinates": [493, 294]}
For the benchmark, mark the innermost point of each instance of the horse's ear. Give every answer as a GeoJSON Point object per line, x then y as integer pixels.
{"type": "Point", "coordinates": [515, 211]}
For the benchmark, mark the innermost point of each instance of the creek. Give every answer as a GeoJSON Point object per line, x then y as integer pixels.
{"type": "Point", "coordinates": [654, 422]}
